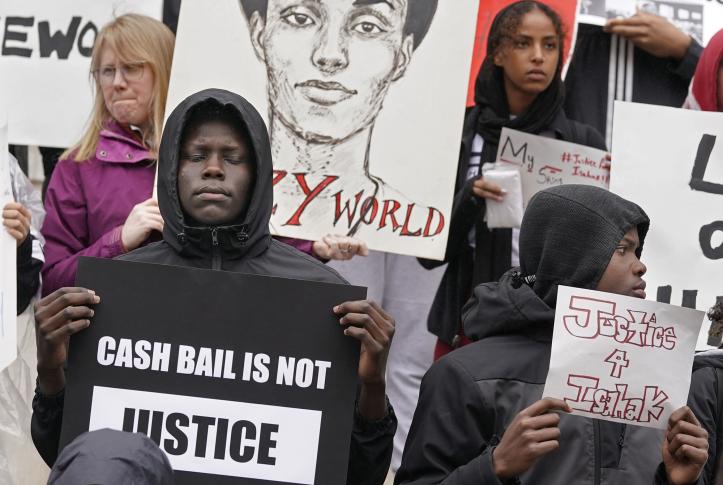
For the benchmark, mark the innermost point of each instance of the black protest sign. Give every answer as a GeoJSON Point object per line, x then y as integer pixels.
{"type": "Point", "coordinates": [238, 378]}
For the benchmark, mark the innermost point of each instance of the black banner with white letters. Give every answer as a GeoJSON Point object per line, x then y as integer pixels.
{"type": "Point", "coordinates": [238, 378]}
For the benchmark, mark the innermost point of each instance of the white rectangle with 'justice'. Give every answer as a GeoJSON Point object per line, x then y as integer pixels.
{"type": "Point", "coordinates": [295, 450]}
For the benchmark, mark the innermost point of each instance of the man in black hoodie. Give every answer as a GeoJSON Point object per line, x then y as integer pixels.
{"type": "Point", "coordinates": [215, 195]}
{"type": "Point", "coordinates": [480, 417]}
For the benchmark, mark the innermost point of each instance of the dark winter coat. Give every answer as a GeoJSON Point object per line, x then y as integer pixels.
{"type": "Point", "coordinates": [244, 246]}
{"type": "Point", "coordinates": [470, 396]}
{"type": "Point", "coordinates": [445, 316]}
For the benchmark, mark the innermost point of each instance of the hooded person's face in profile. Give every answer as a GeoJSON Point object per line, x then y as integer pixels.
{"type": "Point", "coordinates": [624, 273]}
{"type": "Point", "coordinates": [331, 62]}
{"type": "Point", "coordinates": [216, 173]}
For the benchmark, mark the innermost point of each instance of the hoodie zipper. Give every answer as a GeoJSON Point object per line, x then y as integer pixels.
{"type": "Point", "coordinates": [597, 449]}
{"type": "Point", "coordinates": [215, 250]}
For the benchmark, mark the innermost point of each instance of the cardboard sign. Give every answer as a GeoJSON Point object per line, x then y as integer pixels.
{"type": "Point", "coordinates": [619, 358]}
{"type": "Point", "coordinates": [45, 49]}
{"type": "Point", "coordinates": [364, 103]}
{"type": "Point", "coordinates": [670, 162]}
{"type": "Point", "coordinates": [488, 9]}
{"type": "Point", "coordinates": [700, 19]}
{"type": "Point", "coordinates": [545, 162]}
{"type": "Point", "coordinates": [238, 378]}
{"type": "Point", "coordinates": [8, 263]}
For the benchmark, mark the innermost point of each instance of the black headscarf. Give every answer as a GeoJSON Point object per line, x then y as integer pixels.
{"type": "Point", "coordinates": [491, 99]}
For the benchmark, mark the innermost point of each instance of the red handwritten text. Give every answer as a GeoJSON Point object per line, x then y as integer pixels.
{"type": "Point", "coordinates": [590, 318]}
{"type": "Point", "coordinates": [587, 396]}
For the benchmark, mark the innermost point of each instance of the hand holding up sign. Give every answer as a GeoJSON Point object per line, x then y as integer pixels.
{"type": "Point", "coordinates": [652, 33]}
{"type": "Point", "coordinates": [143, 219]}
{"type": "Point", "coordinates": [340, 248]}
{"type": "Point", "coordinates": [487, 190]}
{"type": "Point", "coordinates": [58, 316]}
{"type": "Point", "coordinates": [532, 434]}
{"type": "Point", "coordinates": [366, 321]}
{"type": "Point", "coordinates": [685, 448]}
{"type": "Point", "coordinates": [16, 219]}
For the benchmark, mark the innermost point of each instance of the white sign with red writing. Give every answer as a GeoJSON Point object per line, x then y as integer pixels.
{"type": "Point", "coordinates": [545, 162]}
{"type": "Point", "coordinates": [619, 358]}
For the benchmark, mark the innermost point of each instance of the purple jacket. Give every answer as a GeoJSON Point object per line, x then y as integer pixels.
{"type": "Point", "coordinates": [88, 202]}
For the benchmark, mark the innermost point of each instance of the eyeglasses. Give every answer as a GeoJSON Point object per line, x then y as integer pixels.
{"type": "Point", "coordinates": [130, 72]}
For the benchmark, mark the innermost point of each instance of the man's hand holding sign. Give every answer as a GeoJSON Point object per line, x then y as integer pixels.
{"type": "Point", "coordinates": [58, 316]}
{"type": "Point", "coordinates": [367, 322]}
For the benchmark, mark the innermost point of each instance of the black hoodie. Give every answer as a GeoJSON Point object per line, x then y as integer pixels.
{"type": "Point", "coordinates": [244, 246]}
{"type": "Point", "coordinates": [469, 397]}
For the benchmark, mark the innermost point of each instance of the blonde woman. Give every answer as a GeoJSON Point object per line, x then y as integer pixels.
{"type": "Point", "coordinates": [98, 201]}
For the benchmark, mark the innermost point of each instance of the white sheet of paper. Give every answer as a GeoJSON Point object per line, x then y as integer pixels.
{"type": "Point", "coordinates": [508, 212]}
{"type": "Point", "coordinates": [654, 153]}
{"type": "Point", "coordinates": [545, 162]}
{"type": "Point", "coordinates": [8, 254]}
{"type": "Point", "coordinates": [619, 358]}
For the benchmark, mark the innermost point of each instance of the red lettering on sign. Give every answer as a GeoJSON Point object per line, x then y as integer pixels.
{"type": "Point", "coordinates": [588, 397]}
{"type": "Point", "coordinates": [310, 194]}
{"type": "Point", "coordinates": [387, 212]}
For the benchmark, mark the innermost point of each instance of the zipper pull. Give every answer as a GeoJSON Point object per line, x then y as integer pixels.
{"type": "Point", "coordinates": [214, 236]}
{"type": "Point", "coordinates": [242, 236]}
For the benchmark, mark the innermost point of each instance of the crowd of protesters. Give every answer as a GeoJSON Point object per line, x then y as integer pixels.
{"type": "Point", "coordinates": [480, 416]}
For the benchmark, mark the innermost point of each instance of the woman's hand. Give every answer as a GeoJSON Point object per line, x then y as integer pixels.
{"type": "Point", "coordinates": [16, 219]}
{"type": "Point", "coordinates": [487, 190]}
{"type": "Point", "coordinates": [341, 248]}
{"type": "Point", "coordinates": [144, 218]}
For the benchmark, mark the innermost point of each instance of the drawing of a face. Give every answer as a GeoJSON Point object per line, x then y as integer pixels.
{"type": "Point", "coordinates": [331, 62]}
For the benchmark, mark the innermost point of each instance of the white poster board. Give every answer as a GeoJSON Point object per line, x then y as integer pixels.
{"type": "Point", "coordinates": [546, 162]}
{"type": "Point", "coordinates": [45, 48]}
{"type": "Point", "coordinates": [365, 115]}
{"type": "Point", "coordinates": [700, 19]}
{"type": "Point", "coordinates": [8, 265]}
{"type": "Point", "coordinates": [619, 358]}
{"type": "Point", "coordinates": [670, 162]}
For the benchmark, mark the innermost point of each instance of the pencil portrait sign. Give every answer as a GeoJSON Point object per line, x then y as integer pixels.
{"type": "Point", "coordinates": [364, 102]}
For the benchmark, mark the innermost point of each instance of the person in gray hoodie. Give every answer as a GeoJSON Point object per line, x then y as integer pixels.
{"type": "Point", "coordinates": [480, 417]}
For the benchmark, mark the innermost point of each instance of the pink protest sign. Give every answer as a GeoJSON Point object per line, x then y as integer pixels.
{"type": "Point", "coordinates": [619, 358]}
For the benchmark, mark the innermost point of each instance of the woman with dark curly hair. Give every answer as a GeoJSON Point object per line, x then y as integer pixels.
{"type": "Point", "coordinates": [519, 86]}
